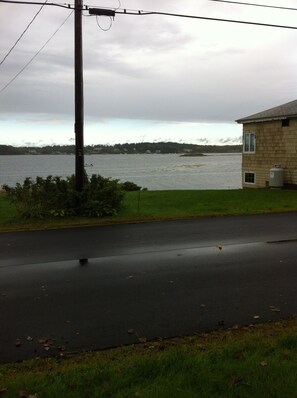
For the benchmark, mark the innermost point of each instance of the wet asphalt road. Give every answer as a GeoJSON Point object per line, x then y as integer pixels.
{"type": "Point", "coordinates": [152, 280]}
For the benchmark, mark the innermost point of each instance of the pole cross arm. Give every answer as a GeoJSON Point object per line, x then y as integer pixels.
{"type": "Point", "coordinates": [101, 11]}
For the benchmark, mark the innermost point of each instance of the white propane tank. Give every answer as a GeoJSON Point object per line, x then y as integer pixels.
{"type": "Point", "coordinates": [276, 176]}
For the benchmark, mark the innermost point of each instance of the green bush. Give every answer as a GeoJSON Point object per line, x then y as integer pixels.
{"type": "Point", "coordinates": [129, 186]}
{"type": "Point", "coordinates": [54, 196]}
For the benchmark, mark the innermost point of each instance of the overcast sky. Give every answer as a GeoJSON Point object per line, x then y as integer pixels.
{"type": "Point", "coordinates": [148, 78]}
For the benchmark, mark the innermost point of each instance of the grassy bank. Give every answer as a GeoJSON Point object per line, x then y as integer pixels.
{"type": "Point", "coordinates": [162, 205]}
{"type": "Point", "coordinates": [255, 361]}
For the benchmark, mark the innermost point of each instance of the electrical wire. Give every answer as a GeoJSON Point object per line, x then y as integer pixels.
{"type": "Point", "coordinates": [30, 23]}
{"type": "Point", "coordinates": [104, 29]}
{"type": "Point", "coordinates": [256, 5]}
{"type": "Point", "coordinates": [110, 18]}
{"type": "Point", "coordinates": [141, 13]}
{"type": "Point", "coordinates": [63, 5]}
{"type": "Point", "coordinates": [38, 52]}
{"type": "Point", "coordinates": [119, 6]}
{"type": "Point", "coordinates": [35, 3]}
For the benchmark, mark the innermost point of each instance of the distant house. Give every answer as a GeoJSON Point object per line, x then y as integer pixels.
{"type": "Point", "coordinates": [269, 139]}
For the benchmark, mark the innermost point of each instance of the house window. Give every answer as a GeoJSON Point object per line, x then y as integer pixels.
{"type": "Point", "coordinates": [286, 123]}
{"type": "Point", "coordinates": [249, 177]}
{"type": "Point", "coordinates": [249, 142]}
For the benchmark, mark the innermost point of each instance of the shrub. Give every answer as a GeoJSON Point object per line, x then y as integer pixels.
{"type": "Point", "coordinates": [130, 186]}
{"type": "Point", "coordinates": [54, 196]}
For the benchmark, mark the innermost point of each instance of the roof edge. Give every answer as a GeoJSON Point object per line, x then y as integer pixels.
{"type": "Point", "coordinates": [268, 119]}
{"type": "Point", "coordinates": [281, 112]}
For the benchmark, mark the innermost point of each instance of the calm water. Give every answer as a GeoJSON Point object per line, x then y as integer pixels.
{"type": "Point", "coordinates": [155, 172]}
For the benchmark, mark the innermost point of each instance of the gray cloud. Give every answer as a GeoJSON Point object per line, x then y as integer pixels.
{"type": "Point", "coordinates": [150, 67]}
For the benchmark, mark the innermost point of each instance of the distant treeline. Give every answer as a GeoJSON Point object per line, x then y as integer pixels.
{"type": "Point", "coordinates": [142, 147]}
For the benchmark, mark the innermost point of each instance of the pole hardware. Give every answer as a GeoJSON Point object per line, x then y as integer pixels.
{"type": "Point", "coordinates": [102, 11]}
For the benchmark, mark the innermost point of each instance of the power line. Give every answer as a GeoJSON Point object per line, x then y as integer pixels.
{"type": "Point", "coordinates": [101, 27]}
{"type": "Point", "coordinates": [32, 59]}
{"type": "Point", "coordinates": [256, 5]}
{"type": "Point", "coordinates": [63, 5]}
{"type": "Point", "coordinates": [30, 23]}
{"type": "Point", "coordinates": [140, 12]}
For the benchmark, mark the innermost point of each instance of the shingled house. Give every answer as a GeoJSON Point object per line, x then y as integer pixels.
{"type": "Point", "coordinates": [269, 139]}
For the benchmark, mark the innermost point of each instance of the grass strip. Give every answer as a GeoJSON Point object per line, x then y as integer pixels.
{"type": "Point", "coordinates": [178, 204]}
{"type": "Point", "coordinates": [166, 205]}
{"type": "Point", "coordinates": [256, 361]}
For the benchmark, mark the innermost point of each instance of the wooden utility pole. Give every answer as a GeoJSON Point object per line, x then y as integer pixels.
{"type": "Point", "coordinates": [79, 96]}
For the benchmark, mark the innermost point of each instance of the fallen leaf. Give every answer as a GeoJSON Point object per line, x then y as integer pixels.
{"type": "Point", "coordinates": [274, 309]}
{"type": "Point", "coordinates": [263, 363]}
{"type": "Point", "coordinates": [142, 339]}
{"type": "Point", "coordinates": [47, 343]}
{"type": "Point", "coordinates": [42, 341]}
{"type": "Point", "coordinates": [220, 246]}
{"type": "Point", "coordinates": [18, 343]}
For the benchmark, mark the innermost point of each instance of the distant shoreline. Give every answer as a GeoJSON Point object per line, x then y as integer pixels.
{"type": "Point", "coordinates": [134, 148]}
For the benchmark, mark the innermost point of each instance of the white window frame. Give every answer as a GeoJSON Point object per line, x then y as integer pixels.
{"type": "Point", "coordinates": [248, 182]}
{"type": "Point", "coordinates": [249, 143]}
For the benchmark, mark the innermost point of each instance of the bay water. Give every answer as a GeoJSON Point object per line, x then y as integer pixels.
{"type": "Point", "coordinates": [152, 171]}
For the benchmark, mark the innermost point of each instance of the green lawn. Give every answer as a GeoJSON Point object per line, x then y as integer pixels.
{"type": "Point", "coordinates": [179, 204]}
{"type": "Point", "coordinates": [162, 205]}
{"type": "Point", "coordinates": [255, 361]}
